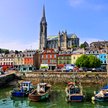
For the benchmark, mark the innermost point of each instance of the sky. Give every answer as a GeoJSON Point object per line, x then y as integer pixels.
{"type": "Point", "coordinates": [20, 21]}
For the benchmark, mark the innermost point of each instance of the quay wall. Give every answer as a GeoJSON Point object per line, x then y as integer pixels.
{"type": "Point", "coordinates": [63, 77]}
{"type": "Point", "coordinates": [6, 78]}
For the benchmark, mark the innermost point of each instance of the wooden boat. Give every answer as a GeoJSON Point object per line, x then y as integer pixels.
{"type": "Point", "coordinates": [101, 95]}
{"type": "Point", "coordinates": [74, 92]}
{"type": "Point", "coordinates": [24, 89]}
{"type": "Point", "coordinates": [40, 93]}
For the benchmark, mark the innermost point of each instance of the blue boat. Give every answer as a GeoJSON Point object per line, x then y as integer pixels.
{"type": "Point", "coordinates": [74, 93]}
{"type": "Point", "coordinates": [101, 95]}
{"type": "Point", "coordinates": [24, 89]}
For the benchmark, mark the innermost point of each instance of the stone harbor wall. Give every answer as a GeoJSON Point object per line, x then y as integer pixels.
{"type": "Point", "coordinates": [63, 77]}
{"type": "Point", "coordinates": [6, 78]}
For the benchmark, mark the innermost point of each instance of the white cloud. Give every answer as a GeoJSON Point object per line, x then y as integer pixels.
{"type": "Point", "coordinates": [15, 45]}
{"type": "Point", "coordinates": [87, 4]}
{"type": "Point", "coordinates": [75, 3]}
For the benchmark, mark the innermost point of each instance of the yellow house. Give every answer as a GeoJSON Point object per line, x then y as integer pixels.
{"type": "Point", "coordinates": [76, 54]}
{"type": "Point", "coordinates": [74, 57]}
{"type": "Point", "coordinates": [18, 60]}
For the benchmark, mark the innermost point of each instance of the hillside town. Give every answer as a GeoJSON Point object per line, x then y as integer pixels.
{"type": "Point", "coordinates": [29, 60]}
{"type": "Point", "coordinates": [54, 53]}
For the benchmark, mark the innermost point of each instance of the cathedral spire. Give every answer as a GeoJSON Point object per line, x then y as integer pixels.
{"type": "Point", "coordinates": [43, 14]}
{"type": "Point", "coordinates": [43, 30]}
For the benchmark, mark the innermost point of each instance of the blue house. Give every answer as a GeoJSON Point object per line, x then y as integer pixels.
{"type": "Point", "coordinates": [103, 58]}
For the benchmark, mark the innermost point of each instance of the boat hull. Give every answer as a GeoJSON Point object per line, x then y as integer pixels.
{"type": "Point", "coordinates": [75, 98]}
{"type": "Point", "coordinates": [101, 99]}
{"type": "Point", "coordinates": [19, 94]}
{"type": "Point", "coordinates": [36, 98]}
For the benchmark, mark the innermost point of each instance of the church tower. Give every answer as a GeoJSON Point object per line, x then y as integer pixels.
{"type": "Point", "coordinates": [43, 31]}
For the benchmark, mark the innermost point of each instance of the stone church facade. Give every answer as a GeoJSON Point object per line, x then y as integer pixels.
{"type": "Point", "coordinates": [62, 41]}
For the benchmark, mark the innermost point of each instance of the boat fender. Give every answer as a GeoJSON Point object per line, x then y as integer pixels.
{"type": "Point", "coordinates": [93, 98]}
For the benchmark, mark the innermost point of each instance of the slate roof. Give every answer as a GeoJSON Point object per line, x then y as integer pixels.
{"type": "Point", "coordinates": [56, 37]}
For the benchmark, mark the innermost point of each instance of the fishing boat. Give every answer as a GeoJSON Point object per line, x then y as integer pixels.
{"type": "Point", "coordinates": [41, 93]}
{"type": "Point", "coordinates": [101, 95]}
{"type": "Point", "coordinates": [24, 89]}
{"type": "Point", "coordinates": [74, 92]}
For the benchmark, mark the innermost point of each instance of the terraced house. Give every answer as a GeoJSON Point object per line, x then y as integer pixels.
{"type": "Point", "coordinates": [49, 56]}
{"type": "Point", "coordinates": [64, 57]}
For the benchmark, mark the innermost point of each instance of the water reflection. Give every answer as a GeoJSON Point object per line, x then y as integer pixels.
{"type": "Point", "coordinates": [56, 100]}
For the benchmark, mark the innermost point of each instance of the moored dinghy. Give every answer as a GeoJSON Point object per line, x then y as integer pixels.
{"type": "Point", "coordinates": [40, 93]}
{"type": "Point", "coordinates": [74, 92]}
{"type": "Point", "coordinates": [101, 95]}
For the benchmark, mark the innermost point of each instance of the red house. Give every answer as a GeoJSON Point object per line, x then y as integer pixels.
{"type": "Point", "coordinates": [49, 56]}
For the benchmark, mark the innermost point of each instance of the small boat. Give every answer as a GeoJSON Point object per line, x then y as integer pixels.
{"type": "Point", "coordinates": [24, 89]}
{"type": "Point", "coordinates": [74, 92]}
{"type": "Point", "coordinates": [101, 95]}
{"type": "Point", "coordinates": [40, 93]}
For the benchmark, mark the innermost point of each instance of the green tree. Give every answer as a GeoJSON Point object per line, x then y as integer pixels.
{"type": "Point", "coordinates": [16, 51]}
{"type": "Point", "coordinates": [89, 61]}
{"type": "Point", "coordinates": [6, 51]}
{"type": "Point", "coordinates": [82, 61]}
{"type": "Point", "coordinates": [94, 61]}
{"type": "Point", "coordinates": [82, 46]}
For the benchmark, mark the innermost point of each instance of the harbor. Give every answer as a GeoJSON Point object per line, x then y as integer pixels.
{"type": "Point", "coordinates": [56, 100]}
{"type": "Point", "coordinates": [89, 80]}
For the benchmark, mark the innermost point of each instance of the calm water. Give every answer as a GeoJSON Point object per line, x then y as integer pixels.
{"type": "Point", "coordinates": [57, 99]}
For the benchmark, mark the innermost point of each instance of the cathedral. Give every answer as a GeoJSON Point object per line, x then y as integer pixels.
{"type": "Point", "coordinates": [62, 41]}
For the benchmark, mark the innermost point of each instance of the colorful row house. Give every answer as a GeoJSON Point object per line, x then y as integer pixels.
{"type": "Point", "coordinates": [63, 58]}
{"type": "Point", "coordinates": [49, 56]}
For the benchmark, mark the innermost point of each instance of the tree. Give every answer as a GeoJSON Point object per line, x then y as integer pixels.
{"type": "Point", "coordinates": [16, 52]}
{"type": "Point", "coordinates": [82, 61]}
{"type": "Point", "coordinates": [83, 46]}
{"type": "Point", "coordinates": [89, 61]}
{"type": "Point", "coordinates": [0, 50]}
{"type": "Point", "coordinates": [6, 51]}
{"type": "Point", "coordinates": [94, 61]}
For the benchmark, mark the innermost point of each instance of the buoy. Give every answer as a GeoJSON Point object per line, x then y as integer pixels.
{"type": "Point", "coordinates": [93, 98]}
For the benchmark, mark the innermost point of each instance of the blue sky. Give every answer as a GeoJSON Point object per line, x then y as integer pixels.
{"type": "Point", "coordinates": [20, 19]}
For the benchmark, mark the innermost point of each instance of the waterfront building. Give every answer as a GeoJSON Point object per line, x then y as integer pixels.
{"type": "Point", "coordinates": [7, 61]}
{"type": "Point", "coordinates": [64, 57]}
{"type": "Point", "coordinates": [37, 59]}
{"type": "Point", "coordinates": [18, 60]}
{"type": "Point", "coordinates": [76, 54]}
{"type": "Point", "coordinates": [61, 41]}
{"type": "Point", "coordinates": [49, 56]}
{"type": "Point", "coordinates": [103, 58]}
{"type": "Point", "coordinates": [93, 51]}
{"type": "Point", "coordinates": [28, 57]}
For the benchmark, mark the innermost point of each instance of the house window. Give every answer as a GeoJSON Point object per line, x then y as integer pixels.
{"type": "Point", "coordinates": [105, 61]}
{"type": "Point", "coordinates": [54, 55]}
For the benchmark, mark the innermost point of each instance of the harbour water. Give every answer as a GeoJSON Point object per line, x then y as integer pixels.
{"type": "Point", "coordinates": [56, 100]}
